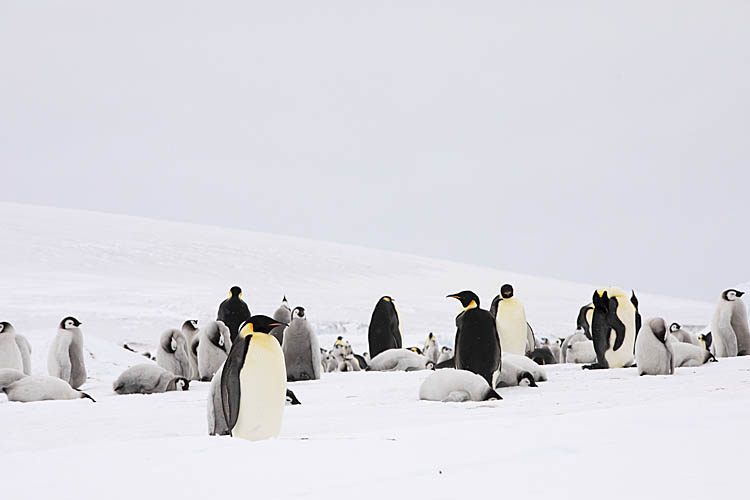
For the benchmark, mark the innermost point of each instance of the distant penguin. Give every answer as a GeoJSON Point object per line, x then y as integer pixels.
{"type": "Point", "coordinates": [542, 356]}
{"type": "Point", "coordinates": [581, 352]}
{"type": "Point", "coordinates": [253, 382]}
{"type": "Point", "coordinates": [554, 347]}
{"type": "Point", "coordinates": [431, 349]}
{"type": "Point", "coordinates": [729, 326]}
{"type": "Point", "coordinates": [10, 354]}
{"type": "Point", "coordinates": [384, 331]}
{"type": "Point", "coordinates": [172, 353]}
{"type": "Point", "coordinates": [681, 335]}
{"type": "Point", "coordinates": [148, 378]}
{"type": "Point", "coordinates": [446, 353]}
{"type": "Point", "coordinates": [518, 370]}
{"type": "Point", "coordinates": [284, 315]}
{"type": "Point", "coordinates": [511, 322]}
{"type": "Point", "coordinates": [25, 347]}
{"type": "Point", "coordinates": [583, 322]}
{"type": "Point", "coordinates": [706, 341]}
{"type": "Point", "coordinates": [613, 328]}
{"type": "Point", "coordinates": [193, 355]}
{"type": "Point", "coordinates": [29, 388]}
{"type": "Point", "coordinates": [301, 348]}
{"type": "Point", "coordinates": [213, 347]}
{"type": "Point", "coordinates": [217, 423]}
{"type": "Point", "coordinates": [65, 360]}
{"type": "Point", "coordinates": [577, 336]}
{"type": "Point", "coordinates": [399, 360]}
{"type": "Point", "coordinates": [477, 346]}
{"type": "Point", "coordinates": [190, 330]}
{"type": "Point", "coordinates": [363, 362]}
{"type": "Point", "coordinates": [653, 352]}
{"type": "Point", "coordinates": [343, 356]}
{"type": "Point", "coordinates": [456, 386]}
{"type": "Point", "coordinates": [233, 311]}
{"type": "Point", "coordinates": [686, 354]}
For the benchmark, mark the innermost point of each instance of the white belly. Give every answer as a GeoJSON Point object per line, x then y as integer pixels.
{"type": "Point", "coordinates": [262, 391]}
{"type": "Point", "coordinates": [511, 326]}
{"type": "Point", "coordinates": [624, 355]}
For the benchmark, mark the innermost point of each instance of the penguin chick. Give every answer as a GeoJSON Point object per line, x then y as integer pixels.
{"type": "Point", "coordinates": [676, 330]}
{"type": "Point", "coordinates": [399, 360]}
{"type": "Point", "coordinates": [344, 356]}
{"type": "Point", "coordinates": [581, 352]}
{"type": "Point", "coordinates": [518, 370]}
{"type": "Point", "coordinates": [542, 356]}
{"type": "Point", "coordinates": [30, 388]}
{"type": "Point", "coordinates": [65, 360]}
{"type": "Point", "coordinates": [193, 355]}
{"type": "Point", "coordinates": [431, 349]}
{"type": "Point", "coordinates": [653, 352]}
{"type": "Point", "coordinates": [217, 423]}
{"type": "Point", "coordinates": [577, 336]}
{"type": "Point", "coordinates": [148, 378]}
{"type": "Point", "coordinates": [213, 348]}
{"type": "Point", "coordinates": [25, 347]}
{"type": "Point", "coordinates": [301, 348]}
{"type": "Point", "coordinates": [10, 354]}
{"type": "Point", "coordinates": [691, 355]}
{"type": "Point", "coordinates": [446, 353]}
{"type": "Point", "coordinates": [172, 353]}
{"type": "Point", "coordinates": [283, 315]}
{"type": "Point", "coordinates": [453, 385]}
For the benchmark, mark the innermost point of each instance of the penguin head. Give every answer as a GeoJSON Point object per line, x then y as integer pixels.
{"type": "Point", "coordinates": [259, 324]}
{"type": "Point", "coordinates": [415, 349]}
{"type": "Point", "coordinates": [298, 312]}
{"type": "Point", "coordinates": [235, 291]}
{"type": "Point", "coordinates": [526, 379]}
{"type": "Point", "coordinates": [706, 339]}
{"type": "Point", "coordinates": [69, 322]}
{"type": "Point", "coordinates": [659, 327]}
{"type": "Point", "coordinates": [674, 327]}
{"type": "Point", "coordinates": [291, 398]}
{"type": "Point", "coordinates": [732, 294]}
{"type": "Point", "coordinates": [506, 291]}
{"type": "Point", "coordinates": [5, 326]}
{"type": "Point", "coordinates": [191, 323]}
{"type": "Point", "coordinates": [468, 299]}
{"type": "Point", "coordinates": [446, 349]}
{"type": "Point", "coordinates": [340, 342]}
{"type": "Point", "coordinates": [386, 298]}
{"type": "Point", "coordinates": [601, 300]}
{"type": "Point", "coordinates": [492, 396]}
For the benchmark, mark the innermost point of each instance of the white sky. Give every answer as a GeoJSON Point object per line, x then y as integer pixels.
{"type": "Point", "coordinates": [573, 139]}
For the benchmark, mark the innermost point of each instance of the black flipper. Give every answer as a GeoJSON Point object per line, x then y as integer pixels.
{"type": "Point", "coordinates": [493, 306]}
{"type": "Point", "coordinates": [230, 381]}
{"type": "Point", "coordinates": [614, 323]}
{"type": "Point", "coordinates": [448, 363]}
{"type": "Point", "coordinates": [582, 323]}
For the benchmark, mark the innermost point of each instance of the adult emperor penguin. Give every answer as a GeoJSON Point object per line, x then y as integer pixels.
{"type": "Point", "coordinates": [301, 348]}
{"type": "Point", "coordinates": [65, 360]}
{"type": "Point", "coordinates": [511, 322]}
{"type": "Point", "coordinates": [213, 347]}
{"type": "Point", "coordinates": [583, 322]}
{"type": "Point", "coordinates": [729, 326]}
{"type": "Point", "coordinates": [27, 388]}
{"type": "Point", "coordinates": [148, 378]}
{"type": "Point", "coordinates": [233, 311]}
{"type": "Point", "coordinates": [456, 386]}
{"type": "Point", "coordinates": [172, 353]}
{"type": "Point", "coordinates": [613, 328]}
{"type": "Point", "coordinates": [282, 314]}
{"type": "Point", "coordinates": [477, 347]}
{"type": "Point", "coordinates": [10, 354]}
{"type": "Point", "coordinates": [653, 351]}
{"type": "Point", "coordinates": [384, 331]}
{"type": "Point", "coordinates": [431, 349]}
{"type": "Point", "coordinates": [253, 382]}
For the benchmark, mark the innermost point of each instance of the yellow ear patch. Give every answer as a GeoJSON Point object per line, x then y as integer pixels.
{"type": "Point", "coordinates": [472, 305]}
{"type": "Point", "coordinates": [387, 298]}
{"type": "Point", "coordinates": [247, 330]}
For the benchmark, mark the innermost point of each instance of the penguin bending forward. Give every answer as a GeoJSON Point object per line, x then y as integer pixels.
{"type": "Point", "coordinates": [213, 347]}
{"type": "Point", "coordinates": [653, 351]}
{"type": "Point", "coordinates": [253, 382]}
{"type": "Point", "coordinates": [10, 353]}
{"type": "Point", "coordinates": [172, 353]}
{"type": "Point", "coordinates": [384, 331]}
{"type": "Point", "coordinates": [477, 346]}
{"type": "Point", "coordinates": [613, 328]}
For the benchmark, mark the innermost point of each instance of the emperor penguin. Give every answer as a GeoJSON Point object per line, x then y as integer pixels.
{"type": "Point", "coordinates": [431, 349]}
{"type": "Point", "coordinates": [542, 356]}
{"type": "Point", "coordinates": [217, 424]}
{"type": "Point", "coordinates": [681, 335]}
{"type": "Point", "coordinates": [384, 331]}
{"type": "Point", "coordinates": [193, 355]}
{"type": "Point", "coordinates": [30, 388]}
{"type": "Point", "coordinates": [10, 354]}
{"type": "Point", "coordinates": [149, 378]}
{"type": "Point", "coordinates": [253, 382]}
{"type": "Point", "coordinates": [518, 370]}
{"type": "Point", "coordinates": [456, 386]}
{"type": "Point", "coordinates": [446, 353]}
{"type": "Point", "coordinates": [582, 352]}
{"type": "Point", "coordinates": [706, 340]}
{"type": "Point", "coordinates": [583, 322]}
{"type": "Point", "coordinates": [554, 347]}
{"type": "Point", "coordinates": [653, 351]}
{"type": "Point", "coordinates": [729, 326]}
{"type": "Point", "coordinates": [172, 353]}
{"type": "Point", "coordinates": [511, 322]}
{"type": "Point", "coordinates": [65, 360]}
{"type": "Point", "coordinates": [343, 356]}
{"type": "Point", "coordinates": [233, 311]}
{"type": "Point", "coordinates": [613, 328]}
{"type": "Point", "coordinates": [477, 346]}
{"type": "Point", "coordinates": [25, 347]}
{"type": "Point", "coordinates": [190, 330]}
{"type": "Point", "coordinates": [213, 348]}
{"type": "Point", "coordinates": [301, 348]}
{"type": "Point", "coordinates": [399, 360]}
{"type": "Point", "coordinates": [284, 315]}
{"type": "Point", "coordinates": [686, 354]}
{"type": "Point", "coordinates": [577, 336]}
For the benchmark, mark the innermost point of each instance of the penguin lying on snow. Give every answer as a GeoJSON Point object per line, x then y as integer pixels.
{"type": "Point", "coordinates": [65, 360]}
{"type": "Point", "coordinates": [456, 386]}
{"type": "Point", "coordinates": [399, 360]}
{"type": "Point", "coordinates": [677, 332]}
{"type": "Point", "coordinates": [213, 347]}
{"type": "Point", "coordinates": [518, 370]}
{"type": "Point", "coordinates": [581, 352]}
{"type": "Point", "coordinates": [653, 351]}
{"type": "Point", "coordinates": [29, 388]}
{"type": "Point", "coordinates": [690, 355]}
{"type": "Point", "coordinates": [172, 353]}
{"type": "Point", "coordinates": [148, 378]}
{"type": "Point", "coordinates": [10, 354]}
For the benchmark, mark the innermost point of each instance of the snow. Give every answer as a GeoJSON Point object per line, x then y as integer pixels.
{"type": "Point", "coordinates": [582, 434]}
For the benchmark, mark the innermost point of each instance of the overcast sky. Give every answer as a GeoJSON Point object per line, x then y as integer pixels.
{"type": "Point", "coordinates": [590, 142]}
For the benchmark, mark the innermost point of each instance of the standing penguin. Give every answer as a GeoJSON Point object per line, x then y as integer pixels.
{"type": "Point", "coordinates": [653, 351]}
{"type": "Point", "coordinates": [301, 349]}
{"type": "Point", "coordinates": [477, 348]}
{"type": "Point", "coordinates": [172, 353]}
{"type": "Point", "coordinates": [384, 331]}
{"type": "Point", "coordinates": [431, 349]}
{"type": "Point", "coordinates": [613, 328]}
{"type": "Point", "coordinates": [65, 360]}
{"type": "Point", "coordinates": [729, 326]}
{"type": "Point", "coordinates": [253, 382]}
{"type": "Point", "coordinates": [233, 311]}
{"type": "Point", "coordinates": [213, 347]}
{"type": "Point", "coordinates": [283, 315]}
{"type": "Point", "coordinates": [511, 322]}
{"type": "Point", "coordinates": [10, 354]}
{"type": "Point", "coordinates": [583, 322]}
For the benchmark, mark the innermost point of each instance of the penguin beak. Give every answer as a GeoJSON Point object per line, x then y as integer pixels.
{"type": "Point", "coordinates": [451, 296]}
{"type": "Point", "coordinates": [740, 294]}
{"type": "Point", "coordinates": [277, 324]}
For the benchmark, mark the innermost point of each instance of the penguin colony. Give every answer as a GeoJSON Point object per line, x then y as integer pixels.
{"type": "Point", "coordinates": [249, 359]}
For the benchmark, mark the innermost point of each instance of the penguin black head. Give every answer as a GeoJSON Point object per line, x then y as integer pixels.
{"type": "Point", "coordinates": [191, 323]}
{"type": "Point", "coordinates": [69, 322]}
{"type": "Point", "coordinates": [506, 291]}
{"type": "Point", "coordinates": [430, 336]}
{"type": "Point", "coordinates": [467, 298]}
{"type": "Point", "coordinates": [291, 399]}
{"type": "Point", "coordinates": [298, 312]}
{"type": "Point", "coordinates": [674, 327]}
{"type": "Point", "coordinates": [526, 378]}
{"type": "Point", "coordinates": [732, 294]}
{"type": "Point", "coordinates": [706, 339]}
{"type": "Point", "coordinates": [259, 324]}
{"type": "Point", "coordinates": [492, 396]}
{"type": "Point", "coordinates": [415, 349]}
{"type": "Point", "coordinates": [659, 327]}
{"type": "Point", "coordinates": [601, 300]}
{"type": "Point", "coordinates": [235, 291]}
{"type": "Point", "coordinates": [4, 325]}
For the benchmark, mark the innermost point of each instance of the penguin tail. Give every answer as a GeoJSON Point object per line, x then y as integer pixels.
{"type": "Point", "coordinates": [86, 396]}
